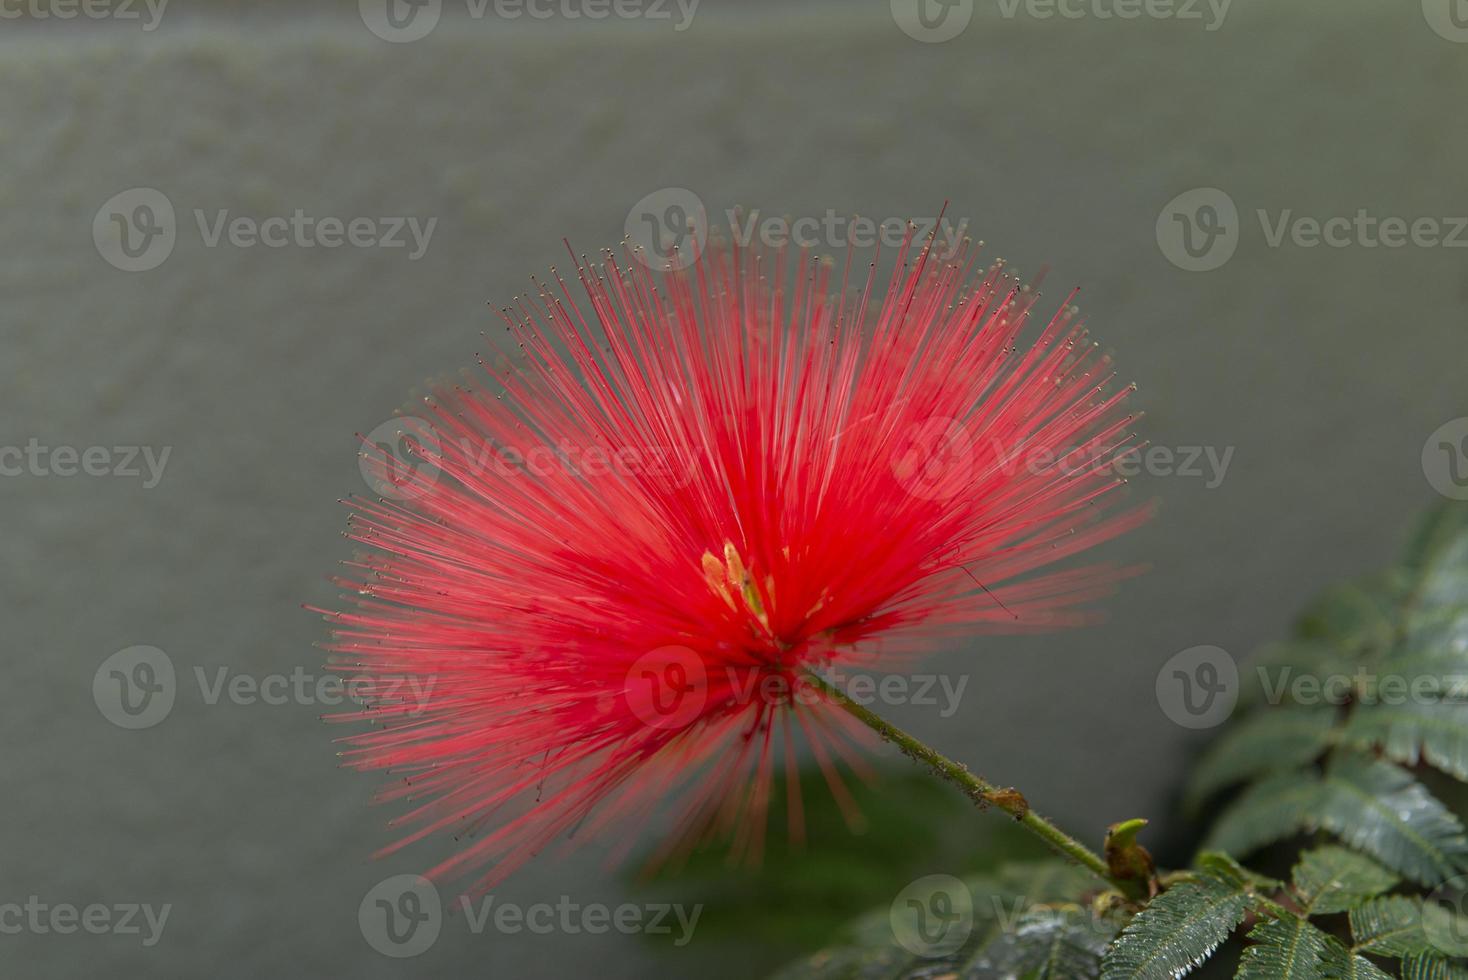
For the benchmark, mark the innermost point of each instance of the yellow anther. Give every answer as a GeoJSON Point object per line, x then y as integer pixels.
{"type": "Point", "coordinates": [714, 573]}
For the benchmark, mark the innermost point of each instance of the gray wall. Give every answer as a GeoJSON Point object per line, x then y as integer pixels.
{"type": "Point", "coordinates": [1323, 369]}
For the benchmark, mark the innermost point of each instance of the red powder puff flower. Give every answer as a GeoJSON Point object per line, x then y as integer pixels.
{"type": "Point", "coordinates": [600, 589]}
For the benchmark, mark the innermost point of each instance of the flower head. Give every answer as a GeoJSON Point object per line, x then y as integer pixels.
{"type": "Point", "coordinates": [606, 571]}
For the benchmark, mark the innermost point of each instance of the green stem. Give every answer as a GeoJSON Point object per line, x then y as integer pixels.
{"type": "Point", "coordinates": [975, 787]}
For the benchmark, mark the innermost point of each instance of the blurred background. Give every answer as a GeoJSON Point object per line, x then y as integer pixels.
{"type": "Point", "coordinates": [190, 345]}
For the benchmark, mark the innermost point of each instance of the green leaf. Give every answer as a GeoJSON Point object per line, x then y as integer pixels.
{"type": "Point", "coordinates": [850, 963]}
{"type": "Point", "coordinates": [1047, 944]}
{"type": "Point", "coordinates": [1418, 709]}
{"type": "Point", "coordinates": [1436, 733]}
{"type": "Point", "coordinates": [1332, 879]}
{"type": "Point", "coordinates": [1430, 966]}
{"type": "Point", "coordinates": [1284, 949]}
{"type": "Point", "coordinates": [1390, 926]}
{"type": "Point", "coordinates": [1433, 641]}
{"type": "Point", "coordinates": [1444, 921]}
{"type": "Point", "coordinates": [1274, 675]}
{"type": "Point", "coordinates": [1272, 809]}
{"type": "Point", "coordinates": [1379, 808]}
{"type": "Point", "coordinates": [1437, 634]}
{"type": "Point", "coordinates": [1437, 556]}
{"type": "Point", "coordinates": [1433, 649]}
{"type": "Point", "coordinates": [1221, 865]}
{"type": "Point", "coordinates": [1340, 963]}
{"type": "Point", "coordinates": [1267, 741]}
{"type": "Point", "coordinates": [1045, 881]}
{"type": "Point", "coordinates": [1023, 914]}
{"type": "Point", "coordinates": [1178, 929]}
{"type": "Point", "coordinates": [1360, 616]}
{"type": "Point", "coordinates": [1374, 806]}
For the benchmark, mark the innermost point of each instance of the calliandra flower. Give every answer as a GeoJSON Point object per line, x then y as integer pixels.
{"type": "Point", "coordinates": [605, 572]}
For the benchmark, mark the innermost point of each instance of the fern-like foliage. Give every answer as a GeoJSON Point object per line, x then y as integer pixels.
{"type": "Point", "coordinates": [1333, 879]}
{"type": "Point", "coordinates": [1181, 927]}
{"type": "Point", "coordinates": [1335, 728]}
{"type": "Point", "coordinates": [1026, 920]}
{"type": "Point", "coordinates": [1375, 806]}
{"type": "Point", "coordinates": [1287, 948]}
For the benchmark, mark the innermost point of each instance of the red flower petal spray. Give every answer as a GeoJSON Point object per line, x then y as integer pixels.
{"type": "Point", "coordinates": [614, 575]}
